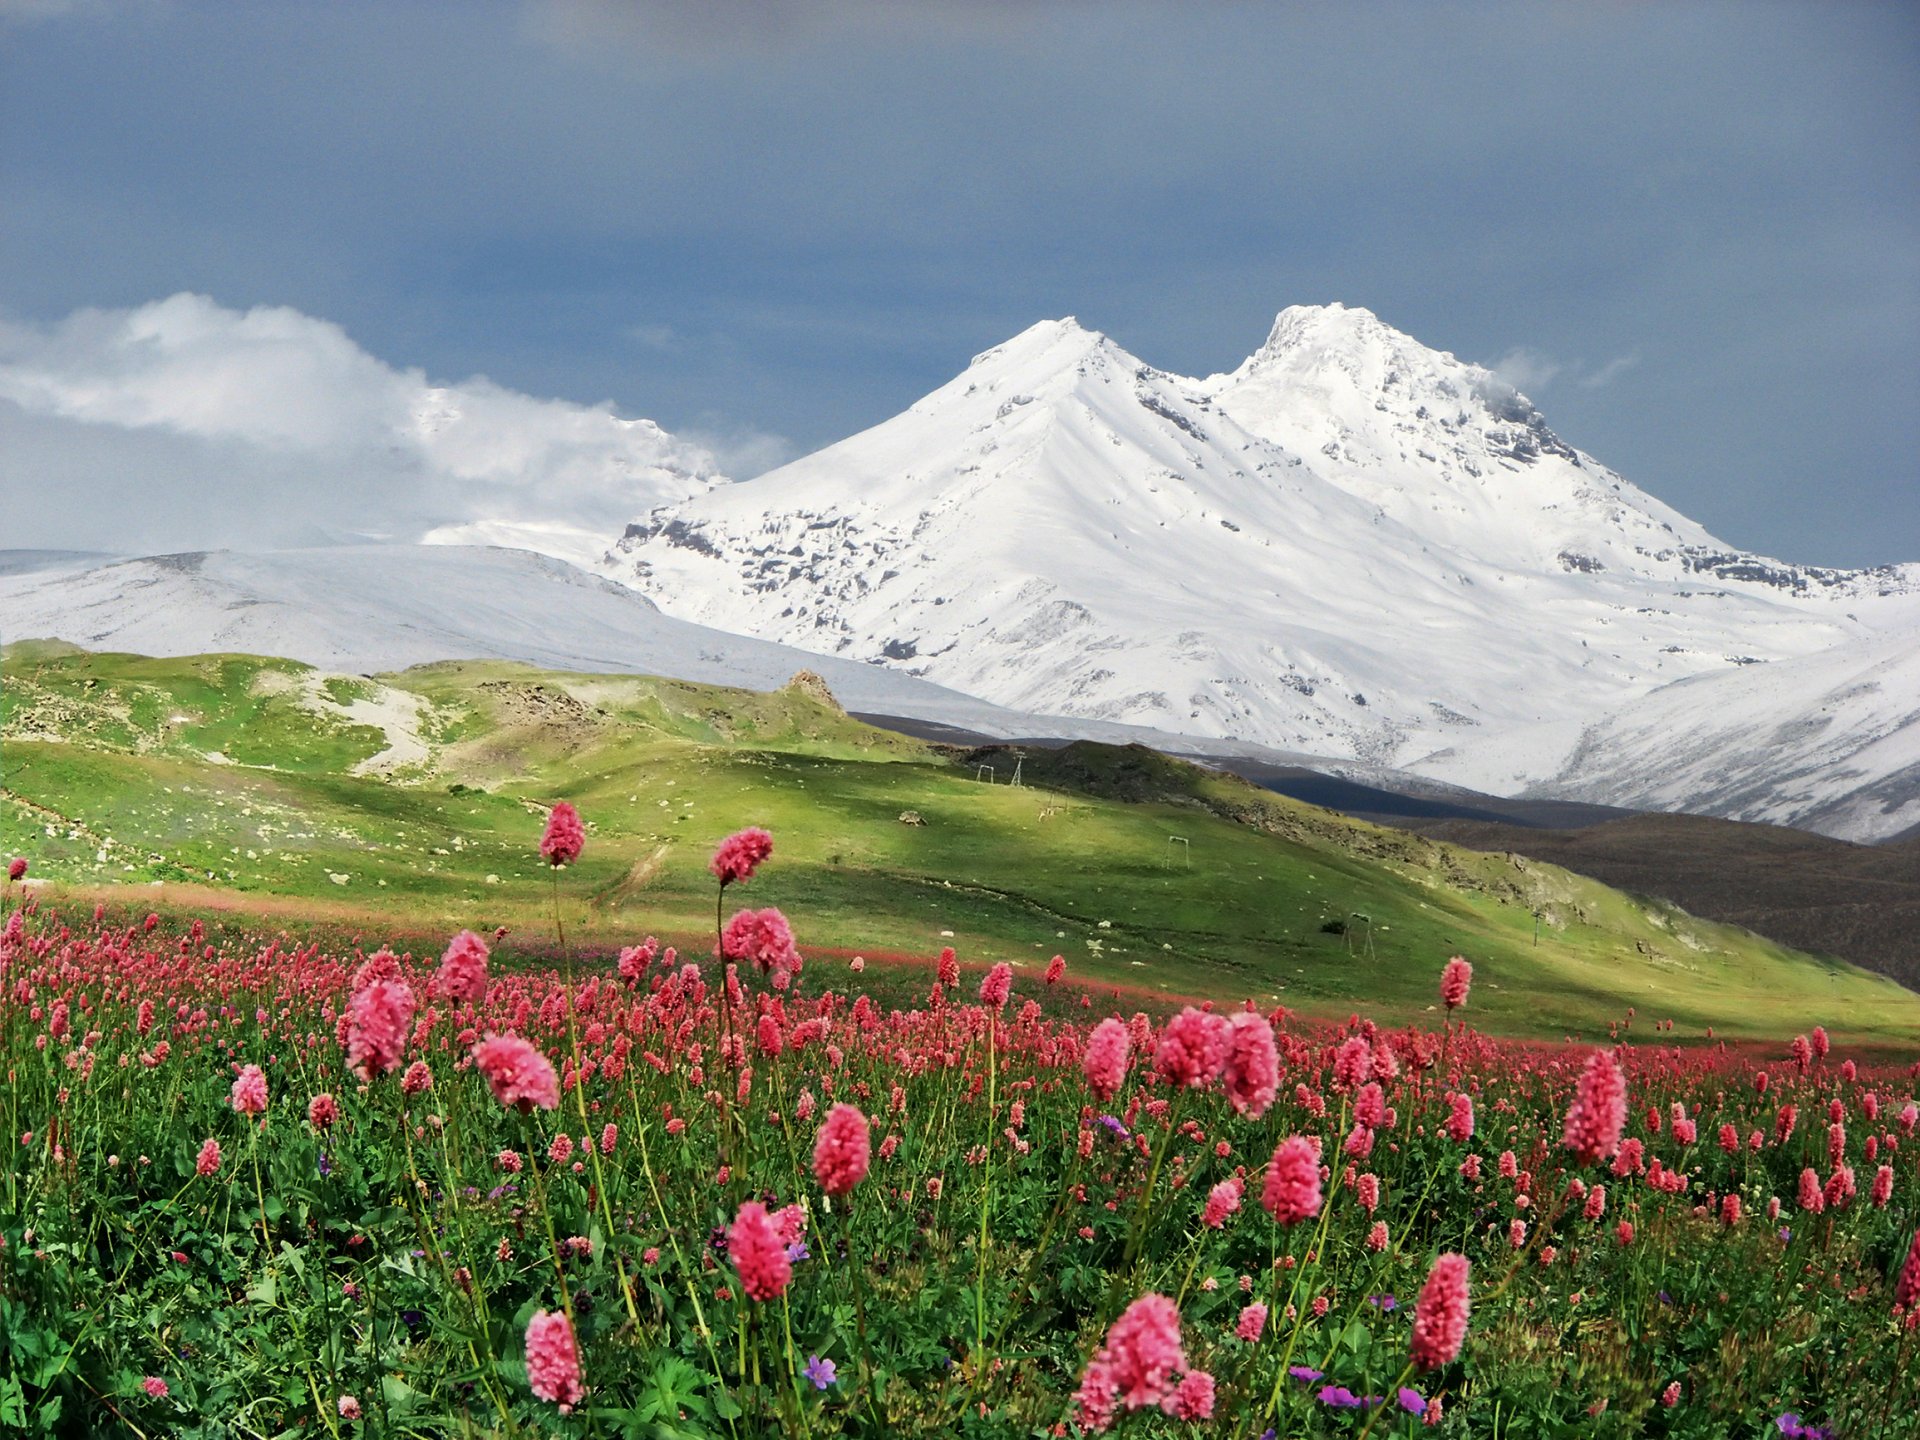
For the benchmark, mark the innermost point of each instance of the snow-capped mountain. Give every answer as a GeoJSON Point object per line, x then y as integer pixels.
{"type": "Point", "coordinates": [1351, 545]}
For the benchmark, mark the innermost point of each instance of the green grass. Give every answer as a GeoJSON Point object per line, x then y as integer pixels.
{"type": "Point", "coordinates": [232, 778]}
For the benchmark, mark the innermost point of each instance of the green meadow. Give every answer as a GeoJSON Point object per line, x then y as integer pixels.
{"type": "Point", "coordinates": [406, 806]}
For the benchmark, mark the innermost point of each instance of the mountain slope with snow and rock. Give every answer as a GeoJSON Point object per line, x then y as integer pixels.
{"type": "Point", "coordinates": [1349, 546]}
{"type": "Point", "coordinates": [375, 608]}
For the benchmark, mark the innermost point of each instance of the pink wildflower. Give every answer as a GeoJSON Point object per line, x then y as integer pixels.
{"type": "Point", "coordinates": [208, 1161]}
{"type": "Point", "coordinates": [17, 868]}
{"type": "Point", "coordinates": [1253, 1320]}
{"type": "Point", "coordinates": [377, 1020]}
{"type": "Point", "coordinates": [842, 1151]}
{"type": "Point", "coordinates": [1599, 1111]}
{"type": "Point", "coordinates": [1222, 1201]}
{"type": "Point", "coordinates": [1459, 1123]}
{"type": "Point", "coordinates": [634, 959]}
{"type": "Point", "coordinates": [1292, 1190]}
{"type": "Point", "coordinates": [763, 937]}
{"type": "Point", "coordinates": [553, 1360]}
{"type": "Point", "coordinates": [1455, 979]}
{"type": "Point", "coordinates": [1440, 1314]}
{"type": "Point", "coordinates": [1143, 1351]}
{"type": "Point", "coordinates": [1352, 1063]}
{"type": "Point", "coordinates": [1907, 1291]}
{"type": "Point", "coordinates": [249, 1095]}
{"type": "Point", "coordinates": [1105, 1062]}
{"type": "Point", "coordinates": [740, 855]}
{"type": "Point", "coordinates": [517, 1072]}
{"type": "Point", "coordinates": [1192, 1398]}
{"type": "Point", "coordinates": [322, 1111]}
{"type": "Point", "coordinates": [565, 836]}
{"type": "Point", "coordinates": [758, 1254]}
{"type": "Point", "coordinates": [1056, 968]}
{"type": "Point", "coordinates": [463, 969]}
{"type": "Point", "coordinates": [997, 985]}
{"type": "Point", "coordinates": [155, 1386]}
{"type": "Point", "coordinates": [418, 1079]}
{"type": "Point", "coordinates": [1252, 1070]}
{"type": "Point", "coordinates": [1813, 1198]}
{"type": "Point", "coordinates": [1191, 1049]}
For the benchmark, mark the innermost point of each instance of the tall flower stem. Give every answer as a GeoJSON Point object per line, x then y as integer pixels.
{"type": "Point", "coordinates": [673, 1240]}
{"type": "Point", "coordinates": [793, 1369]}
{"type": "Point", "coordinates": [259, 1192]}
{"type": "Point", "coordinates": [986, 1202]}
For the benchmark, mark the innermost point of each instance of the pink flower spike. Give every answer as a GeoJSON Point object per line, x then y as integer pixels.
{"type": "Point", "coordinates": [553, 1360]}
{"type": "Point", "coordinates": [843, 1150]}
{"type": "Point", "coordinates": [1143, 1351]}
{"type": "Point", "coordinates": [1292, 1190]}
{"type": "Point", "coordinates": [377, 1021]}
{"type": "Point", "coordinates": [249, 1095]}
{"type": "Point", "coordinates": [1440, 1314]}
{"type": "Point", "coordinates": [758, 1253]}
{"type": "Point", "coordinates": [463, 969]}
{"type": "Point", "coordinates": [565, 836]}
{"type": "Point", "coordinates": [518, 1073]}
{"type": "Point", "coordinates": [1599, 1111]}
{"type": "Point", "coordinates": [740, 855]}
{"type": "Point", "coordinates": [1105, 1062]}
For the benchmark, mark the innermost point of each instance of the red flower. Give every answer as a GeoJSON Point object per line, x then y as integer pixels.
{"type": "Point", "coordinates": [1191, 1049]}
{"type": "Point", "coordinates": [249, 1095]}
{"type": "Point", "coordinates": [1143, 1352]}
{"type": "Point", "coordinates": [1455, 979]}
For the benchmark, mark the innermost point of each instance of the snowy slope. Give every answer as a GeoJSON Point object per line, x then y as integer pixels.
{"type": "Point", "coordinates": [1349, 546]}
{"type": "Point", "coordinates": [367, 609]}
{"type": "Point", "coordinates": [1829, 742]}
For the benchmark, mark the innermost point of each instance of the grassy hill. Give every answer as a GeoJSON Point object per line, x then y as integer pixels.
{"type": "Point", "coordinates": [410, 805]}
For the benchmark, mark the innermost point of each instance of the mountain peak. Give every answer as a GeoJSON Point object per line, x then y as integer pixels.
{"type": "Point", "coordinates": [1055, 343]}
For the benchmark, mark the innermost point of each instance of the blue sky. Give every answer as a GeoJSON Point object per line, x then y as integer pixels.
{"type": "Point", "coordinates": [1691, 232]}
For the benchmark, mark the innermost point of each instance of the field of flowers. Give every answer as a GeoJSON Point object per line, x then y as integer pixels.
{"type": "Point", "coordinates": [256, 1189]}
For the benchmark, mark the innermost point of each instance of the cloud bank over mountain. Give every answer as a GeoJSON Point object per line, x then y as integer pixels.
{"type": "Point", "coordinates": [185, 423]}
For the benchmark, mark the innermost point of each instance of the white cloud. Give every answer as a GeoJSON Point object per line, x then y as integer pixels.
{"type": "Point", "coordinates": [1526, 369]}
{"type": "Point", "coordinates": [185, 423]}
{"type": "Point", "coordinates": [1609, 372]}
{"type": "Point", "coordinates": [1532, 371]}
